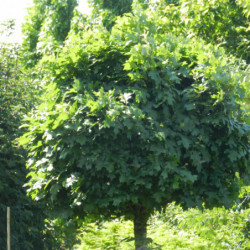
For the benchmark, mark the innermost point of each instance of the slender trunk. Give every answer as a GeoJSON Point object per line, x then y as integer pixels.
{"type": "Point", "coordinates": [140, 229]}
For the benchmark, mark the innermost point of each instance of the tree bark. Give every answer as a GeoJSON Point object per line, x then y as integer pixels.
{"type": "Point", "coordinates": [140, 228]}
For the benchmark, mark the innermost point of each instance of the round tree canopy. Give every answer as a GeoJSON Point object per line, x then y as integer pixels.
{"type": "Point", "coordinates": [137, 117]}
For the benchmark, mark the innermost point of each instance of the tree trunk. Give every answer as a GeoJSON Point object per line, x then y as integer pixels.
{"type": "Point", "coordinates": [140, 228]}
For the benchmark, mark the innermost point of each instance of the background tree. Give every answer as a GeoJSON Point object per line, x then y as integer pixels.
{"type": "Point", "coordinates": [46, 27]}
{"type": "Point", "coordinates": [109, 10]}
{"type": "Point", "coordinates": [16, 98]}
{"type": "Point", "coordinates": [134, 119]}
{"type": "Point", "coordinates": [224, 22]}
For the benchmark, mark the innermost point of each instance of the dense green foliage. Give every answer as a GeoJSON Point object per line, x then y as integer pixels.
{"type": "Point", "coordinates": [142, 105]}
{"type": "Point", "coordinates": [46, 27]}
{"type": "Point", "coordinates": [27, 217]}
{"type": "Point", "coordinates": [175, 229]}
{"type": "Point", "coordinates": [222, 22]}
{"type": "Point", "coordinates": [108, 10]}
{"type": "Point", "coordinates": [116, 7]}
{"type": "Point", "coordinates": [136, 118]}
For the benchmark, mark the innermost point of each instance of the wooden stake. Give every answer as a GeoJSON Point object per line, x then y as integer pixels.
{"type": "Point", "coordinates": [8, 228]}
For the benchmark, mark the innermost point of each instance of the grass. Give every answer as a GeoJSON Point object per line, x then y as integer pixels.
{"type": "Point", "coordinates": [218, 228]}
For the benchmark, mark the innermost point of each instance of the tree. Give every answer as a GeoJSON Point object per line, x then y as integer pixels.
{"type": "Point", "coordinates": [134, 119]}
{"type": "Point", "coordinates": [46, 27]}
{"type": "Point", "coordinates": [16, 98]}
{"type": "Point", "coordinates": [223, 22]}
{"type": "Point", "coordinates": [109, 10]}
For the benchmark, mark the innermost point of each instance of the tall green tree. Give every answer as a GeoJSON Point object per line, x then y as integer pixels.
{"type": "Point", "coordinates": [16, 98]}
{"type": "Point", "coordinates": [46, 27]}
{"type": "Point", "coordinates": [223, 22]}
{"type": "Point", "coordinates": [134, 119]}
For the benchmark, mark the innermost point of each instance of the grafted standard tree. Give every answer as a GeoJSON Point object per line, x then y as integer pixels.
{"type": "Point", "coordinates": [136, 118]}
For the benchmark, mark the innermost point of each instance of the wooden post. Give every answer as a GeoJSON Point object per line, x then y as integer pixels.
{"type": "Point", "coordinates": [8, 228]}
